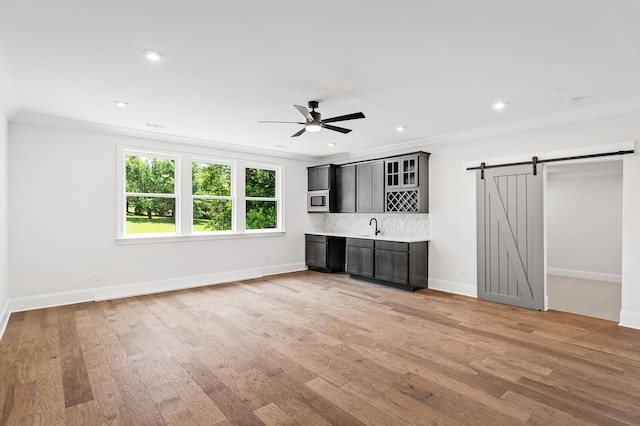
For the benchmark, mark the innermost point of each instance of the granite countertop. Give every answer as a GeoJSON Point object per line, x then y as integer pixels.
{"type": "Point", "coordinates": [380, 237]}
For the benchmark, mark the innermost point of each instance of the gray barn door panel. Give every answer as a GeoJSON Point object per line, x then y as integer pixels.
{"type": "Point", "coordinates": [510, 236]}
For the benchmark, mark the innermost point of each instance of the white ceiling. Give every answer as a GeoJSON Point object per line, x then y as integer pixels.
{"type": "Point", "coordinates": [433, 66]}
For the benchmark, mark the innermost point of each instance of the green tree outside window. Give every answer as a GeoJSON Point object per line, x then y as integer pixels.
{"type": "Point", "coordinates": [260, 194]}
{"type": "Point", "coordinates": [212, 203]}
{"type": "Point", "coordinates": [145, 179]}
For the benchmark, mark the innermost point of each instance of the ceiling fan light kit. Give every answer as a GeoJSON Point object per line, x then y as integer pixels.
{"type": "Point", "coordinates": [315, 123]}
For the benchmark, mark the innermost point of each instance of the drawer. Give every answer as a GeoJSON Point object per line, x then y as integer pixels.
{"type": "Point", "coordinates": [392, 245]}
{"type": "Point", "coordinates": [316, 238]}
{"type": "Point", "coordinates": [357, 242]}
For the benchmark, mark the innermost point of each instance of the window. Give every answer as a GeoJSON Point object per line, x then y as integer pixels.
{"type": "Point", "coordinates": [212, 201]}
{"type": "Point", "coordinates": [150, 195]}
{"type": "Point", "coordinates": [164, 194]}
{"type": "Point", "coordinates": [261, 199]}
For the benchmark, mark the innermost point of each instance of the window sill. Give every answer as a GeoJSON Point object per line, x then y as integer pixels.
{"type": "Point", "coordinates": [123, 241]}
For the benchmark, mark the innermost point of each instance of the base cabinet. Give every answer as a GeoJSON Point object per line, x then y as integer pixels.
{"type": "Point", "coordinates": [325, 253]}
{"type": "Point", "coordinates": [392, 266]}
{"type": "Point", "coordinates": [399, 264]}
{"type": "Point", "coordinates": [360, 257]}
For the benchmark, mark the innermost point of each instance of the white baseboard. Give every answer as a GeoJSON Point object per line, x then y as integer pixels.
{"type": "Point", "coordinates": [453, 287]}
{"type": "Point", "coordinates": [4, 318]}
{"type": "Point", "coordinates": [630, 319]}
{"type": "Point", "coordinates": [28, 303]}
{"type": "Point", "coordinates": [586, 275]}
{"type": "Point", "coordinates": [18, 304]}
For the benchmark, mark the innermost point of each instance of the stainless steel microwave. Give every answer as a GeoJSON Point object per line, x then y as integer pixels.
{"type": "Point", "coordinates": [318, 201]}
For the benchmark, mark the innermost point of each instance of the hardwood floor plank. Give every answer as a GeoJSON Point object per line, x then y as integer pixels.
{"type": "Point", "coordinates": [314, 349]}
{"type": "Point", "coordinates": [82, 414]}
{"type": "Point", "coordinates": [77, 388]}
{"type": "Point", "coordinates": [205, 411]}
{"type": "Point", "coordinates": [164, 395]}
{"type": "Point", "coordinates": [110, 406]}
{"type": "Point", "coordinates": [141, 408]}
{"type": "Point", "coordinates": [272, 415]}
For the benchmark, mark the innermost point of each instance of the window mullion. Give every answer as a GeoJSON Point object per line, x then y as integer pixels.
{"type": "Point", "coordinates": [149, 195]}
{"type": "Point", "coordinates": [184, 189]}
{"type": "Point", "coordinates": [240, 212]}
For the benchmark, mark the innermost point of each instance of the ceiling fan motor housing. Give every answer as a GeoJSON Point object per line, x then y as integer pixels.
{"type": "Point", "coordinates": [316, 116]}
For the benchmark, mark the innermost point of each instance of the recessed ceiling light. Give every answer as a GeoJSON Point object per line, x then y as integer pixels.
{"type": "Point", "coordinates": [152, 55]}
{"type": "Point", "coordinates": [332, 144]}
{"type": "Point", "coordinates": [401, 128]}
{"type": "Point", "coordinates": [499, 105]}
{"type": "Point", "coordinates": [281, 146]}
{"type": "Point", "coordinates": [121, 104]}
{"type": "Point", "coordinates": [155, 126]}
{"type": "Point", "coordinates": [571, 101]}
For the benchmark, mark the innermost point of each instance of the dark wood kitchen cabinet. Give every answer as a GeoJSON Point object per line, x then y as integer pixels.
{"type": "Point", "coordinates": [395, 263]}
{"type": "Point", "coordinates": [407, 183]}
{"type": "Point", "coordinates": [370, 187]}
{"type": "Point", "coordinates": [392, 262]}
{"type": "Point", "coordinates": [346, 186]}
{"type": "Point", "coordinates": [360, 257]}
{"type": "Point", "coordinates": [321, 177]}
{"type": "Point", "coordinates": [325, 253]}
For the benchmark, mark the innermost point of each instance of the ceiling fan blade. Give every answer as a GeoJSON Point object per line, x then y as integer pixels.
{"type": "Point", "coordinates": [336, 128]}
{"type": "Point", "coordinates": [295, 135]}
{"type": "Point", "coordinates": [344, 117]}
{"type": "Point", "coordinates": [304, 112]}
{"type": "Point", "coordinates": [291, 122]}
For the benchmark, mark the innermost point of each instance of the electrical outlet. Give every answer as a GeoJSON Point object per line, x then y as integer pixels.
{"type": "Point", "coordinates": [585, 264]}
{"type": "Point", "coordinates": [95, 276]}
{"type": "Point", "coordinates": [461, 272]}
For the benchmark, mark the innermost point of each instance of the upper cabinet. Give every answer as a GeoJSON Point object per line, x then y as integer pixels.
{"type": "Point", "coordinates": [346, 186]}
{"type": "Point", "coordinates": [321, 177]}
{"type": "Point", "coordinates": [402, 172]}
{"type": "Point", "coordinates": [370, 187]}
{"type": "Point", "coordinates": [407, 183]}
{"type": "Point", "coordinates": [393, 184]}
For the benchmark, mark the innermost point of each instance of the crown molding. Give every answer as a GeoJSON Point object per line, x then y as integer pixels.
{"type": "Point", "coordinates": [547, 120]}
{"type": "Point", "coordinates": [71, 124]}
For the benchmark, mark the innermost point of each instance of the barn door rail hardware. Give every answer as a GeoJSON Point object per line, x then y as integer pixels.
{"type": "Point", "coordinates": [535, 161]}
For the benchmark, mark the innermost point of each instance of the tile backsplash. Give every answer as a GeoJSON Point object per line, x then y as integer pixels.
{"type": "Point", "coordinates": [394, 224]}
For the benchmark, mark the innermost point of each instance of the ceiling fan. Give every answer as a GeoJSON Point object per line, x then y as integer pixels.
{"type": "Point", "coordinates": [314, 121]}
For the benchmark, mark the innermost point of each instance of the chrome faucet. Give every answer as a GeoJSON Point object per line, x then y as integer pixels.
{"type": "Point", "coordinates": [377, 229]}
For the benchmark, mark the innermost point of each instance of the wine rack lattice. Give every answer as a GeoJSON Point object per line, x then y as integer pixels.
{"type": "Point", "coordinates": [402, 201]}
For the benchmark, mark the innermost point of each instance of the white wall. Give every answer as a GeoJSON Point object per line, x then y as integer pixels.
{"type": "Point", "coordinates": [584, 224]}
{"type": "Point", "coordinates": [4, 224]}
{"type": "Point", "coordinates": [452, 200]}
{"type": "Point", "coordinates": [63, 225]}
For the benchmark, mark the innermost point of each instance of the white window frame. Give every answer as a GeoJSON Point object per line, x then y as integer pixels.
{"type": "Point", "coordinates": [231, 196]}
{"type": "Point", "coordinates": [184, 198]}
{"type": "Point", "coordinates": [122, 228]}
{"type": "Point", "coordinates": [277, 197]}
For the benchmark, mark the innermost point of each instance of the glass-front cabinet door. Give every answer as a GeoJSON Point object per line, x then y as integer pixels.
{"type": "Point", "coordinates": [409, 172]}
{"type": "Point", "coordinates": [402, 172]}
{"type": "Point", "coordinates": [393, 173]}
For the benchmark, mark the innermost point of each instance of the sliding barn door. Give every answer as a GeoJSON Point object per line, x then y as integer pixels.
{"type": "Point", "coordinates": [510, 236]}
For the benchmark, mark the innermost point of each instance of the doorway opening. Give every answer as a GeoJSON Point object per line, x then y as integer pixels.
{"type": "Point", "coordinates": [583, 220]}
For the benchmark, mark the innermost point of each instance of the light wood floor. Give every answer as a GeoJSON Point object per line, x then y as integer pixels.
{"type": "Point", "coordinates": [313, 349]}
